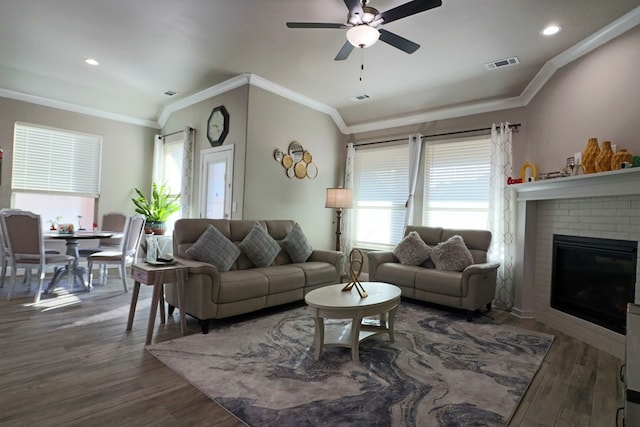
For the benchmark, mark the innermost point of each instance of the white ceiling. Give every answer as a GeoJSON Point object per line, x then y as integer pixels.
{"type": "Point", "coordinates": [146, 47]}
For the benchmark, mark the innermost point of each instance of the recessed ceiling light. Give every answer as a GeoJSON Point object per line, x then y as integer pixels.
{"type": "Point", "coordinates": [91, 61]}
{"type": "Point", "coordinates": [551, 30]}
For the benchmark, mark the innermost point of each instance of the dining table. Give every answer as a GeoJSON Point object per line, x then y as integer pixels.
{"type": "Point", "coordinates": [72, 241]}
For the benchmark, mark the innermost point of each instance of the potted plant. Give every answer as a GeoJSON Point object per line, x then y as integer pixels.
{"type": "Point", "coordinates": [157, 209]}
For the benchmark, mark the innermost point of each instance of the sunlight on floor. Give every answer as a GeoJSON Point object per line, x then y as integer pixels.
{"type": "Point", "coordinates": [116, 313]}
{"type": "Point", "coordinates": [59, 301]}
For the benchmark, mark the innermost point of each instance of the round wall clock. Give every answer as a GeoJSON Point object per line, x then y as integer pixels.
{"type": "Point", "coordinates": [218, 126]}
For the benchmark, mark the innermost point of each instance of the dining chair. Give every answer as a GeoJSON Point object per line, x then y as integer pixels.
{"type": "Point", "coordinates": [126, 253]}
{"type": "Point", "coordinates": [112, 221]}
{"type": "Point", "coordinates": [22, 231]}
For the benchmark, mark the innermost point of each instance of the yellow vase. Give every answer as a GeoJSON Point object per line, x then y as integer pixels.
{"type": "Point", "coordinates": [603, 161]}
{"type": "Point", "coordinates": [589, 155]}
{"type": "Point", "coordinates": [620, 157]}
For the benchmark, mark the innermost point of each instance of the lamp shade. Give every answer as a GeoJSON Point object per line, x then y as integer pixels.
{"type": "Point", "coordinates": [363, 35]}
{"type": "Point", "coordinates": [339, 198]}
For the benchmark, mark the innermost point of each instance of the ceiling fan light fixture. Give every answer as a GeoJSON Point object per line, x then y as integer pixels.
{"type": "Point", "coordinates": [363, 35]}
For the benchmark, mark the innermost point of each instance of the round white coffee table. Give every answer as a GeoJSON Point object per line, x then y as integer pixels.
{"type": "Point", "coordinates": [330, 302]}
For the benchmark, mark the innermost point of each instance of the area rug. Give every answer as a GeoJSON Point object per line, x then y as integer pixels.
{"type": "Point", "coordinates": [440, 371]}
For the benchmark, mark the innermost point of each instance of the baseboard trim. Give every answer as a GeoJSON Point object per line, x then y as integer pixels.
{"type": "Point", "coordinates": [523, 314]}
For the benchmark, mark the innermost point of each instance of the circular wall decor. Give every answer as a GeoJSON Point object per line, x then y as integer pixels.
{"type": "Point", "coordinates": [287, 161]}
{"type": "Point", "coordinates": [278, 155]}
{"type": "Point", "coordinates": [301, 169]}
{"type": "Point", "coordinates": [312, 170]}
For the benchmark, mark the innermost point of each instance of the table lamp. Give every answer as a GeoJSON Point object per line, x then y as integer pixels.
{"type": "Point", "coordinates": [339, 199]}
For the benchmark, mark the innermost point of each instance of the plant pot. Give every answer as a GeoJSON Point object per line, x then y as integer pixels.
{"type": "Point", "coordinates": [155, 227]}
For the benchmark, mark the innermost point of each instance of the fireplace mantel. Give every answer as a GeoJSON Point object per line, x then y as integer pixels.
{"type": "Point", "coordinates": [614, 183]}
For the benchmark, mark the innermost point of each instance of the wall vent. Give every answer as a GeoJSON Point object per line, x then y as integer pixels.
{"type": "Point", "coordinates": [359, 98]}
{"type": "Point", "coordinates": [500, 63]}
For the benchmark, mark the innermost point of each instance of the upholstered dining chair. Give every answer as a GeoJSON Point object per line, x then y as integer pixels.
{"type": "Point", "coordinates": [126, 253]}
{"type": "Point", "coordinates": [112, 221]}
{"type": "Point", "coordinates": [23, 233]}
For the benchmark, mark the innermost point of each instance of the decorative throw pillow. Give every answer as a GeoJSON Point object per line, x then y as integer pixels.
{"type": "Point", "coordinates": [297, 245]}
{"type": "Point", "coordinates": [412, 250]}
{"type": "Point", "coordinates": [214, 248]}
{"type": "Point", "coordinates": [452, 255]}
{"type": "Point", "coordinates": [261, 248]}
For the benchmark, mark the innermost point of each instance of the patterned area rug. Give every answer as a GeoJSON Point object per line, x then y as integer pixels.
{"type": "Point", "coordinates": [441, 370]}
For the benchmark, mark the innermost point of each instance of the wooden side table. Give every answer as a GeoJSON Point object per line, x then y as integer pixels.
{"type": "Point", "coordinates": [157, 276]}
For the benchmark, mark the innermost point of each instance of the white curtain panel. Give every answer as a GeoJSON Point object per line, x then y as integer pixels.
{"type": "Point", "coordinates": [415, 148]}
{"type": "Point", "coordinates": [187, 172]}
{"type": "Point", "coordinates": [347, 214]}
{"type": "Point", "coordinates": [502, 209]}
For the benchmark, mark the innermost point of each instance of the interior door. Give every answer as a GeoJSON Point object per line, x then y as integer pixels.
{"type": "Point", "coordinates": [216, 182]}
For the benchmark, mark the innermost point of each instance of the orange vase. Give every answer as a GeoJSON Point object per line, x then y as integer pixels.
{"type": "Point", "coordinates": [589, 155]}
{"type": "Point", "coordinates": [620, 157]}
{"type": "Point", "coordinates": [603, 161]}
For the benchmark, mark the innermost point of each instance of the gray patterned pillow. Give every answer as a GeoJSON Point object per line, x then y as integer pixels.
{"type": "Point", "coordinates": [412, 250]}
{"type": "Point", "coordinates": [214, 248]}
{"type": "Point", "coordinates": [297, 245]}
{"type": "Point", "coordinates": [452, 254]}
{"type": "Point", "coordinates": [261, 248]}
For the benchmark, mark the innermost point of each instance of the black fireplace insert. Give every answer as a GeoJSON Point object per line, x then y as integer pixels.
{"type": "Point", "coordinates": [594, 278]}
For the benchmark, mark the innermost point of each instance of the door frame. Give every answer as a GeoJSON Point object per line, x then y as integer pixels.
{"type": "Point", "coordinates": [211, 155]}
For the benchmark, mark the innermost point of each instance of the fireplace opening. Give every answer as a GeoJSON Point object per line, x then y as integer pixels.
{"type": "Point", "coordinates": [594, 279]}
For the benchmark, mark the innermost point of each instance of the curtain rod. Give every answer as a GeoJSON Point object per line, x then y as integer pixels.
{"type": "Point", "coordinates": [515, 125]}
{"type": "Point", "coordinates": [172, 133]}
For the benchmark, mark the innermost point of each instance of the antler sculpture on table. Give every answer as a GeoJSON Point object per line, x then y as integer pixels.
{"type": "Point", "coordinates": [355, 263]}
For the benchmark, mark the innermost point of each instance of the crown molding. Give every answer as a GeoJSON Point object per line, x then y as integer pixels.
{"type": "Point", "coordinates": [60, 105]}
{"type": "Point", "coordinates": [203, 95]}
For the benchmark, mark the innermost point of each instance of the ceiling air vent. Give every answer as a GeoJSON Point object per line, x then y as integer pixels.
{"type": "Point", "coordinates": [359, 98]}
{"type": "Point", "coordinates": [169, 93]}
{"type": "Point", "coordinates": [502, 63]}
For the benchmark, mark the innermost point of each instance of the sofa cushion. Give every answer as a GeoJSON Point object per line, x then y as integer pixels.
{"type": "Point", "coordinates": [297, 245]}
{"type": "Point", "coordinates": [317, 272]}
{"type": "Point", "coordinates": [261, 248]}
{"type": "Point", "coordinates": [412, 250]}
{"type": "Point", "coordinates": [214, 248]}
{"type": "Point", "coordinates": [452, 255]}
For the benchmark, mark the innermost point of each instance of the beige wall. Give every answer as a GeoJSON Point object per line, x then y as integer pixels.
{"type": "Point", "coordinates": [274, 122]}
{"type": "Point", "coordinates": [259, 123]}
{"type": "Point", "coordinates": [597, 95]}
{"type": "Point", "coordinates": [197, 116]}
{"type": "Point", "coordinates": [126, 152]}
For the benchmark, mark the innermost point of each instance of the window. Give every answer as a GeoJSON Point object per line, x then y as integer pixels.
{"type": "Point", "coordinates": [454, 191]}
{"type": "Point", "coordinates": [56, 173]}
{"type": "Point", "coordinates": [456, 184]}
{"type": "Point", "coordinates": [380, 192]}
{"type": "Point", "coordinates": [168, 168]}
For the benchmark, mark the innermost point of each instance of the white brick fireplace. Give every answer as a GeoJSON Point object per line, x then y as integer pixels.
{"type": "Point", "coordinates": [604, 205]}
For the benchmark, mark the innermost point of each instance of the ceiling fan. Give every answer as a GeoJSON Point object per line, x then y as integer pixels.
{"type": "Point", "coordinates": [363, 22]}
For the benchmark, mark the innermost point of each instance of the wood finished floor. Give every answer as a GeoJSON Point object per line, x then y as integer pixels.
{"type": "Point", "coordinates": [69, 361]}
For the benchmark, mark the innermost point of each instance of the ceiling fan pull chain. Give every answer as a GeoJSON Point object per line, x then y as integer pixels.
{"type": "Point", "coordinates": [361, 62]}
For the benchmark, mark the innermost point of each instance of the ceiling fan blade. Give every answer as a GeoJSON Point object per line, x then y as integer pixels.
{"type": "Point", "coordinates": [344, 52]}
{"type": "Point", "coordinates": [408, 9]}
{"type": "Point", "coordinates": [354, 6]}
{"type": "Point", "coordinates": [315, 25]}
{"type": "Point", "coordinates": [397, 41]}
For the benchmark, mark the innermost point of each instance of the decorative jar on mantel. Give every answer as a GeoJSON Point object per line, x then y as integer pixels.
{"type": "Point", "coordinates": [622, 156]}
{"type": "Point", "coordinates": [603, 161]}
{"type": "Point", "coordinates": [589, 154]}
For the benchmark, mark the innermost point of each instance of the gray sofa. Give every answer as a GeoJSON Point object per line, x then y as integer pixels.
{"type": "Point", "coordinates": [214, 294]}
{"type": "Point", "coordinates": [469, 289]}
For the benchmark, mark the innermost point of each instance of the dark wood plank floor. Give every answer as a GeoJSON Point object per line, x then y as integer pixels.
{"type": "Point", "coordinates": [69, 361]}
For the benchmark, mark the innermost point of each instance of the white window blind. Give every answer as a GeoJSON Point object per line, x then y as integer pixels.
{"type": "Point", "coordinates": [380, 192]}
{"type": "Point", "coordinates": [172, 165]}
{"type": "Point", "coordinates": [54, 160]}
{"type": "Point", "coordinates": [456, 184]}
